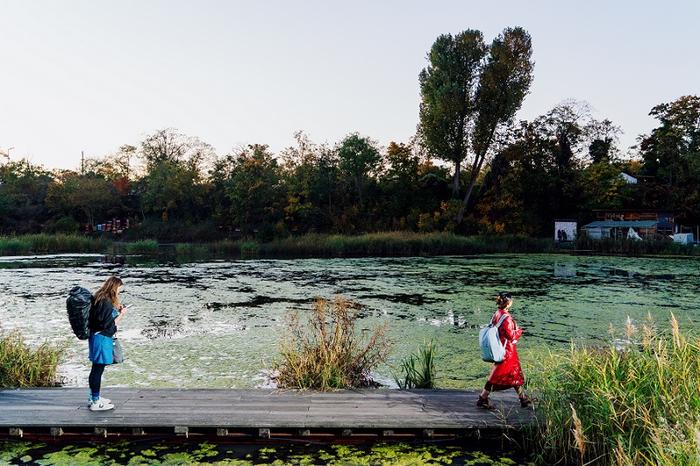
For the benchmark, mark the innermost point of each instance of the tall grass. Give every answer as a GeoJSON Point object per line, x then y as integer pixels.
{"type": "Point", "coordinates": [24, 366]}
{"type": "Point", "coordinates": [144, 246]}
{"type": "Point", "coordinates": [327, 352]}
{"type": "Point", "coordinates": [400, 243]}
{"type": "Point", "coordinates": [638, 404]}
{"type": "Point", "coordinates": [418, 369]}
{"type": "Point", "coordinates": [49, 243]}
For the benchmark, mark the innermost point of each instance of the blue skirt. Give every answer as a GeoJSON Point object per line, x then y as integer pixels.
{"type": "Point", "coordinates": [101, 348]}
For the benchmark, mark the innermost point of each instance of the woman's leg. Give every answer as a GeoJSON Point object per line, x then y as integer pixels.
{"type": "Point", "coordinates": [525, 400]}
{"type": "Point", "coordinates": [95, 379]}
{"type": "Point", "coordinates": [488, 388]}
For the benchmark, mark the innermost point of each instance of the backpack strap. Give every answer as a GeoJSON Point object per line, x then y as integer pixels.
{"type": "Point", "coordinates": [500, 321]}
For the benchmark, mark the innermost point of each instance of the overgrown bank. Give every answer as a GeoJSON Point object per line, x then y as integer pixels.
{"type": "Point", "coordinates": [636, 402]}
{"type": "Point", "coordinates": [310, 245]}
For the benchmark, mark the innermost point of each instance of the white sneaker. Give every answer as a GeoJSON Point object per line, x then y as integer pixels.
{"type": "Point", "coordinates": [100, 405]}
{"type": "Point", "coordinates": [105, 400]}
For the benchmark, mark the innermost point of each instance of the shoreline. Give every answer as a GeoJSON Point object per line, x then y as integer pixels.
{"type": "Point", "coordinates": [382, 244]}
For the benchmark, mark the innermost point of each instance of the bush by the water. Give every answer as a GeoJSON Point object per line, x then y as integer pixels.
{"type": "Point", "coordinates": [144, 246]}
{"type": "Point", "coordinates": [636, 402]}
{"type": "Point", "coordinates": [24, 366]}
{"type": "Point", "coordinates": [418, 369]}
{"type": "Point", "coordinates": [326, 350]}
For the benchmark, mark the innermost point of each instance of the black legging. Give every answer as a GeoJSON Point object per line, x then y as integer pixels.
{"type": "Point", "coordinates": [96, 377]}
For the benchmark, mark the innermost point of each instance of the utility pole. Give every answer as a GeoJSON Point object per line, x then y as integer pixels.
{"type": "Point", "coordinates": [82, 162]}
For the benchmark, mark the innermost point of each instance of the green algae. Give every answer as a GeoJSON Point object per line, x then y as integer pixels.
{"type": "Point", "coordinates": [123, 453]}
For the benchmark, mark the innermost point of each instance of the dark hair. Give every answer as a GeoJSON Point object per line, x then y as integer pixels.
{"type": "Point", "coordinates": [503, 299]}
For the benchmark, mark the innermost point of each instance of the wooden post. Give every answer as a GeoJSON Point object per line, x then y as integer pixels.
{"type": "Point", "coordinates": [16, 432]}
{"type": "Point", "coordinates": [264, 433]}
{"type": "Point", "coordinates": [56, 431]}
{"type": "Point", "coordinates": [101, 431]}
{"type": "Point", "coordinates": [182, 430]}
{"type": "Point", "coordinates": [221, 432]}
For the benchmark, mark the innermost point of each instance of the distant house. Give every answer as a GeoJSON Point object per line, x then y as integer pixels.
{"type": "Point", "coordinates": [621, 229]}
{"type": "Point", "coordinates": [629, 179]}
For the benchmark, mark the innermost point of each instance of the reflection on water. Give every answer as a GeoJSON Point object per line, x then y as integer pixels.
{"type": "Point", "coordinates": [216, 323]}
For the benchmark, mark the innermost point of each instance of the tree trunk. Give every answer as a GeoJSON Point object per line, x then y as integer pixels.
{"type": "Point", "coordinates": [455, 180]}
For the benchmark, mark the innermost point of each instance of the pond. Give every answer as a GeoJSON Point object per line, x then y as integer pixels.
{"type": "Point", "coordinates": [216, 324]}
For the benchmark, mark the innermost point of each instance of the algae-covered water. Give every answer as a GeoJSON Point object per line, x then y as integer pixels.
{"type": "Point", "coordinates": [216, 324]}
{"type": "Point", "coordinates": [123, 453]}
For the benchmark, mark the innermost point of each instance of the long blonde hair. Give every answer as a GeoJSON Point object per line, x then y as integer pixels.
{"type": "Point", "coordinates": [110, 290]}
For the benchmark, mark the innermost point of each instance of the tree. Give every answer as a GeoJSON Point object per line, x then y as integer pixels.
{"type": "Point", "coordinates": [358, 157]}
{"type": "Point", "coordinates": [253, 189]}
{"type": "Point", "coordinates": [503, 83]}
{"type": "Point", "coordinates": [72, 193]}
{"type": "Point", "coordinates": [447, 87]}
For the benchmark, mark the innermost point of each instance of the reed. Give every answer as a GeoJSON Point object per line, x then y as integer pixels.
{"type": "Point", "coordinates": [24, 366]}
{"type": "Point", "coordinates": [50, 243]}
{"type": "Point", "coordinates": [418, 369]}
{"type": "Point", "coordinates": [144, 246]}
{"type": "Point", "coordinates": [635, 402]}
{"type": "Point", "coordinates": [399, 243]}
{"type": "Point", "coordinates": [327, 352]}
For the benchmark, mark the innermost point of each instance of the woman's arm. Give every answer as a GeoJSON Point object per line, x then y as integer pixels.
{"type": "Point", "coordinates": [122, 311]}
{"type": "Point", "coordinates": [512, 332]}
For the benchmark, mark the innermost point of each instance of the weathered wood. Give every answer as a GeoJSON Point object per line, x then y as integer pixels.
{"type": "Point", "coordinates": [141, 410]}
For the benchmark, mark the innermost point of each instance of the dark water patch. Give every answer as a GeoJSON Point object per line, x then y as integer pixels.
{"type": "Point", "coordinates": [162, 327]}
{"type": "Point", "coordinates": [258, 301]}
{"type": "Point", "coordinates": [415, 299]}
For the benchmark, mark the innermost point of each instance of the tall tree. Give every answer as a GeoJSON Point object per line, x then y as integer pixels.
{"type": "Point", "coordinates": [503, 84]}
{"type": "Point", "coordinates": [447, 87]}
{"type": "Point", "coordinates": [358, 158]}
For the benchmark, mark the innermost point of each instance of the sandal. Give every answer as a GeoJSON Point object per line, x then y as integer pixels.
{"type": "Point", "coordinates": [484, 403]}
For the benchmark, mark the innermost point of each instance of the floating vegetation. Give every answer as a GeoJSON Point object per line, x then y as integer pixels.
{"type": "Point", "coordinates": [124, 453]}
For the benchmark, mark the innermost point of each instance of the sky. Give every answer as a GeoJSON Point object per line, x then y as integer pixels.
{"type": "Point", "coordinates": [91, 75]}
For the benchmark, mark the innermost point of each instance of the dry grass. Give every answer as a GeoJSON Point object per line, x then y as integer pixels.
{"type": "Point", "coordinates": [327, 352]}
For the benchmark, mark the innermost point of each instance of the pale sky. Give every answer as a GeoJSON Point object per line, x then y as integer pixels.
{"type": "Point", "coordinates": [92, 75]}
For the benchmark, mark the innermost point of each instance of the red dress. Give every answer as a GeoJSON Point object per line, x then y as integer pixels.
{"type": "Point", "coordinates": [507, 374]}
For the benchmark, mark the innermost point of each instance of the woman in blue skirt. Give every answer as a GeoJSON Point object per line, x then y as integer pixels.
{"type": "Point", "coordinates": [105, 314]}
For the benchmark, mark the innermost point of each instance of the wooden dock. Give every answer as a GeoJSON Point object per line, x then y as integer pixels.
{"type": "Point", "coordinates": [258, 414]}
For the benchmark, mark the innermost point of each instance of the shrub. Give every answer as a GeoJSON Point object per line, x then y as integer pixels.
{"type": "Point", "coordinates": [24, 366]}
{"type": "Point", "coordinates": [639, 404]}
{"type": "Point", "coordinates": [418, 369]}
{"type": "Point", "coordinates": [144, 246]}
{"type": "Point", "coordinates": [327, 352]}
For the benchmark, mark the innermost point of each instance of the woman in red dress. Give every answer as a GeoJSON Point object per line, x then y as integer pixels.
{"type": "Point", "coordinates": [506, 374]}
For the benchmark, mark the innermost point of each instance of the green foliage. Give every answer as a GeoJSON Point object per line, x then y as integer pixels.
{"type": "Point", "coordinates": [633, 403]}
{"type": "Point", "coordinates": [418, 370]}
{"type": "Point", "coordinates": [24, 366]}
{"type": "Point", "coordinates": [144, 246]}
{"type": "Point", "coordinates": [327, 352]}
{"type": "Point", "coordinates": [45, 243]}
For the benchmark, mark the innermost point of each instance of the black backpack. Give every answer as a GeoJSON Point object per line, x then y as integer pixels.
{"type": "Point", "coordinates": [78, 304]}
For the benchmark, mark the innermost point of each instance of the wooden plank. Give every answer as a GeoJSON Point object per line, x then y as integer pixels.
{"type": "Point", "coordinates": [176, 409]}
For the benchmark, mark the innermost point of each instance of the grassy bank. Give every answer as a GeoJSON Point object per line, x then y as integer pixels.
{"type": "Point", "coordinates": [51, 244]}
{"type": "Point", "coordinates": [634, 403]}
{"type": "Point", "coordinates": [24, 366]}
{"type": "Point", "coordinates": [394, 243]}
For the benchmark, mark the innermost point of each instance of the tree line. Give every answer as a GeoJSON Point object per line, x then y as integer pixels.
{"type": "Point", "coordinates": [470, 168]}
